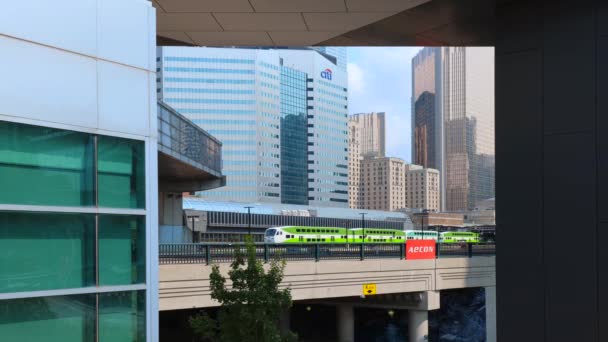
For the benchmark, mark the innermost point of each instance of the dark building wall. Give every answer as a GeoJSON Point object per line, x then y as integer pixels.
{"type": "Point", "coordinates": [552, 171]}
{"type": "Point", "coordinates": [424, 130]}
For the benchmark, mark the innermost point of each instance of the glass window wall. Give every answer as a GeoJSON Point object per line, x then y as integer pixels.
{"type": "Point", "coordinates": [45, 166]}
{"type": "Point", "coordinates": [46, 251]}
{"type": "Point", "coordinates": [121, 169]}
{"type": "Point", "coordinates": [122, 251]}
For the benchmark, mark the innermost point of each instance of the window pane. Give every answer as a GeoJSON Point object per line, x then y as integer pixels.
{"type": "Point", "coordinates": [44, 251]}
{"type": "Point", "coordinates": [121, 171]}
{"type": "Point", "coordinates": [122, 316]}
{"type": "Point", "coordinates": [122, 251]}
{"type": "Point", "coordinates": [45, 166]}
{"type": "Point", "coordinates": [49, 319]}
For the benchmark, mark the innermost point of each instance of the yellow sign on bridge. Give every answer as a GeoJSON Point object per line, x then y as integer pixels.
{"type": "Point", "coordinates": [369, 289]}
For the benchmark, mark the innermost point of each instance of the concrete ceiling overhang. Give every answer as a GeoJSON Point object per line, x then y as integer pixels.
{"type": "Point", "coordinates": [268, 22]}
{"type": "Point", "coordinates": [433, 23]}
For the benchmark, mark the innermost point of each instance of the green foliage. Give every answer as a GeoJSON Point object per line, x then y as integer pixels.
{"type": "Point", "coordinates": [251, 307]}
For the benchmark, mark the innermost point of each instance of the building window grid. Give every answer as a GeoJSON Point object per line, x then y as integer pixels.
{"type": "Point", "coordinates": [99, 206]}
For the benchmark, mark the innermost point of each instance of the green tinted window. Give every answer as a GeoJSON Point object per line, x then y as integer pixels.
{"type": "Point", "coordinates": [45, 166]}
{"type": "Point", "coordinates": [121, 166]}
{"type": "Point", "coordinates": [44, 251]}
{"type": "Point", "coordinates": [49, 319]}
{"type": "Point", "coordinates": [122, 316]}
{"type": "Point", "coordinates": [122, 251]}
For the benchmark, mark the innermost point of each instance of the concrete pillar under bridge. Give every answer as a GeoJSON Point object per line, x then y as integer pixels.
{"type": "Point", "coordinates": [346, 322]}
{"type": "Point", "coordinates": [490, 293]}
{"type": "Point", "coordinates": [418, 325]}
{"type": "Point", "coordinates": [417, 304]}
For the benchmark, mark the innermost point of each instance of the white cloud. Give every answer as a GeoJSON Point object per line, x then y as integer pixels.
{"type": "Point", "coordinates": [355, 78]}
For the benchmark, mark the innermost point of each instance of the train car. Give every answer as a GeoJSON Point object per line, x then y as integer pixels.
{"type": "Point", "coordinates": [332, 235]}
{"type": "Point", "coordinates": [453, 237]}
{"type": "Point", "coordinates": [302, 234]}
{"type": "Point", "coordinates": [421, 235]}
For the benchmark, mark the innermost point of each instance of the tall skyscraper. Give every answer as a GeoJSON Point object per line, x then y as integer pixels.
{"type": "Point", "coordinates": [354, 165]}
{"type": "Point", "coordinates": [371, 133]}
{"type": "Point", "coordinates": [280, 114]}
{"type": "Point", "coordinates": [367, 138]}
{"type": "Point", "coordinates": [453, 121]}
{"type": "Point", "coordinates": [338, 52]}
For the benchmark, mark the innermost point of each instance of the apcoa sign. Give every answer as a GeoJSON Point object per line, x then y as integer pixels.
{"type": "Point", "coordinates": [326, 74]}
{"type": "Point", "coordinates": [420, 249]}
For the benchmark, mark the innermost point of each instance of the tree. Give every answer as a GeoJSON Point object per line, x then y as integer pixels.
{"type": "Point", "coordinates": [251, 308]}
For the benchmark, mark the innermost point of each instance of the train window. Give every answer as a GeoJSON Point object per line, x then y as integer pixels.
{"type": "Point", "coordinates": [297, 230]}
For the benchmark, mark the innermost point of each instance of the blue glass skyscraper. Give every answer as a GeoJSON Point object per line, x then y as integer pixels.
{"type": "Point", "coordinates": [280, 114]}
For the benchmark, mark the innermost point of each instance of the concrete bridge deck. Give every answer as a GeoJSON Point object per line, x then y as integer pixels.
{"type": "Point", "coordinates": [186, 286]}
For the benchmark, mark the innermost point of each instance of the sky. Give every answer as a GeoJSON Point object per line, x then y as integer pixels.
{"type": "Point", "coordinates": [380, 80]}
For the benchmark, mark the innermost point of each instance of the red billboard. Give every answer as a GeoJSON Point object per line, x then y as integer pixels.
{"type": "Point", "coordinates": [420, 249]}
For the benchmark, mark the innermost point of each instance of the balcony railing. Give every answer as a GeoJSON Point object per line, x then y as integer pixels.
{"type": "Point", "coordinates": [196, 253]}
{"type": "Point", "coordinates": [183, 139]}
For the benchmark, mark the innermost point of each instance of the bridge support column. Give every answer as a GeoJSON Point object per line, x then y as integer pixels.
{"type": "Point", "coordinates": [418, 325]}
{"type": "Point", "coordinates": [346, 323]}
{"type": "Point", "coordinates": [285, 321]}
{"type": "Point", "coordinates": [490, 313]}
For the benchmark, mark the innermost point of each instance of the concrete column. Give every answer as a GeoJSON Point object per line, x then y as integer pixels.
{"type": "Point", "coordinates": [285, 321]}
{"type": "Point", "coordinates": [490, 314]}
{"type": "Point", "coordinates": [346, 323]}
{"type": "Point", "coordinates": [418, 325]}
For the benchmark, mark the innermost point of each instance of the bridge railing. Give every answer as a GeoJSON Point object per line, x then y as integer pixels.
{"type": "Point", "coordinates": [200, 253]}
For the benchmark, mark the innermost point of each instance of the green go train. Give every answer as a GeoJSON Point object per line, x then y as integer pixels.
{"type": "Point", "coordinates": [301, 234]}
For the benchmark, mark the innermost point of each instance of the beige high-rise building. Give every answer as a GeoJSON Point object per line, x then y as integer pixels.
{"type": "Point", "coordinates": [354, 165]}
{"type": "Point", "coordinates": [366, 138]}
{"type": "Point", "coordinates": [421, 188]}
{"type": "Point", "coordinates": [371, 135]}
{"type": "Point", "coordinates": [382, 184]}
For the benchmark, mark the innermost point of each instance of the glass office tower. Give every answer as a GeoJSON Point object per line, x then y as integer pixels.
{"type": "Point", "coordinates": [279, 114]}
{"type": "Point", "coordinates": [294, 138]}
{"type": "Point", "coordinates": [453, 121]}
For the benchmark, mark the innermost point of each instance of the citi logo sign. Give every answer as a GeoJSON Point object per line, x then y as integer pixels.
{"type": "Point", "coordinates": [326, 74]}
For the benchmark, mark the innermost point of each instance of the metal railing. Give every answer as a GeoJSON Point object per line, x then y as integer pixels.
{"type": "Point", "coordinates": [186, 140]}
{"type": "Point", "coordinates": [197, 253]}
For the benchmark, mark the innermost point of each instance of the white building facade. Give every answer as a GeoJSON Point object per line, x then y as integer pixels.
{"type": "Point", "coordinates": [78, 171]}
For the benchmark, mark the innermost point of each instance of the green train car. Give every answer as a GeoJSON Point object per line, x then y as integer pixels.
{"type": "Point", "coordinates": [302, 234]}
{"type": "Point", "coordinates": [454, 237]}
